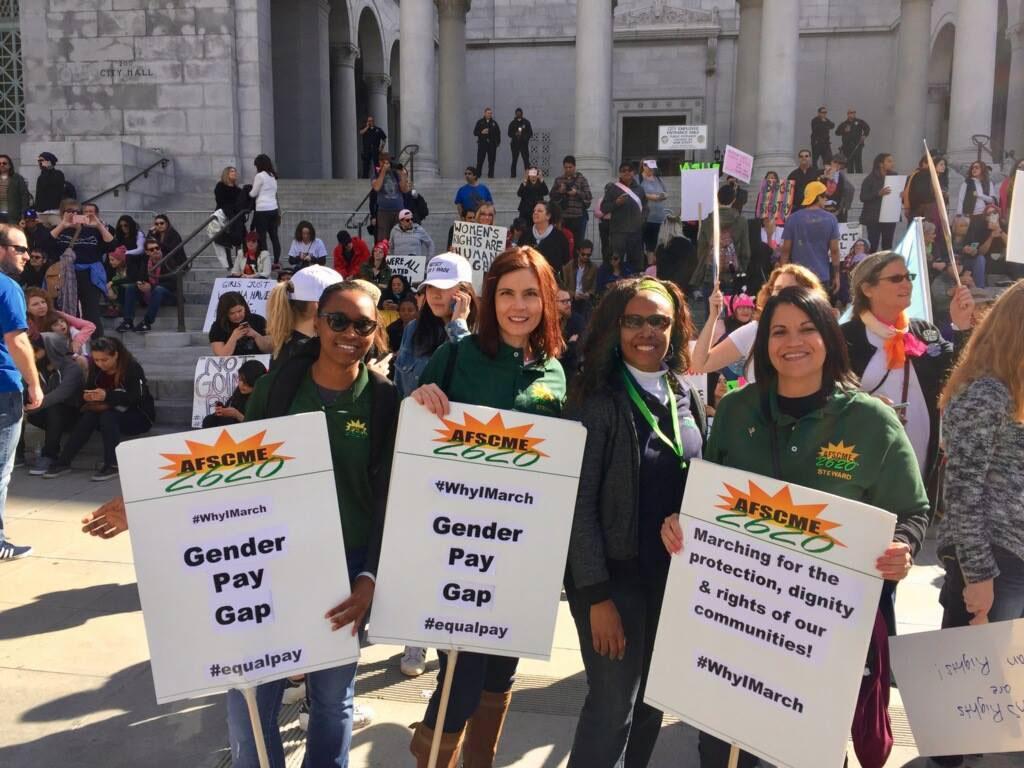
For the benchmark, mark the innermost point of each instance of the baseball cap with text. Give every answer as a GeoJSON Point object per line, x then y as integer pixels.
{"type": "Point", "coordinates": [448, 270]}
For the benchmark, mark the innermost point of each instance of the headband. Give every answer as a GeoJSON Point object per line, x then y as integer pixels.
{"type": "Point", "coordinates": [655, 286]}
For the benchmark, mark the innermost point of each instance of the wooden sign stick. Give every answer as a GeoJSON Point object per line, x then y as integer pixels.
{"type": "Point", "coordinates": [257, 726]}
{"type": "Point", "coordinates": [716, 232]}
{"type": "Point", "coordinates": [940, 203]}
{"type": "Point", "coordinates": [734, 756]}
{"type": "Point", "coordinates": [442, 709]}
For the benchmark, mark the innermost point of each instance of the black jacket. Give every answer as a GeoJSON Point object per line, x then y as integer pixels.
{"type": "Point", "coordinates": [49, 190]}
{"type": "Point", "coordinates": [554, 247]}
{"type": "Point", "coordinates": [871, 196]}
{"type": "Point", "coordinates": [853, 132]}
{"type": "Point", "coordinates": [932, 370]}
{"type": "Point", "coordinates": [133, 392]}
{"type": "Point", "coordinates": [384, 402]}
{"type": "Point", "coordinates": [529, 196]}
{"type": "Point", "coordinates": [524, 138]}
{"type": "Point", "coordinates": [821, 131]}
{"type": "Point", "coordinates": [493, 135]}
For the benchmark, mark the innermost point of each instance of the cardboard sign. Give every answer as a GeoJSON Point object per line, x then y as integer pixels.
{"type": "Point", "coordinates": [254, 291]}
{"type": "Point", "coordinates": [699, 193]}
{"type": "Point", "coordinates": [675, 138]}
{"type": "Point", "coordinates": [238, 552]}
{"type": "Point", "coordinates": [737, 163]}
{"type": "Point", "coordinates": [774, 200]}
{"type": "Point", "coordinates": [1015, 229]}
{"type": "Point", "coordinates": [774, 598]}
{"type": "Point", "coordinates": [215, 380]}
{"type": "Point", "coordinates": [848, 235]}
{"type": "Point", "coordinates": [963, 688]}
{"type": "Point", "coordinates": [478, 499]}
{"type": "Point", "coordinates": [412, 268]}
{"type": "Point", "coordinates": [480, 244]}
{"type": "Point", "coordinates": [892, 204]}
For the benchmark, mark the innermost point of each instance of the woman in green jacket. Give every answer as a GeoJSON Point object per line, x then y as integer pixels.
{"type": "Point", "coordinates": [510, 363]}
{"type": "Point", "coordinates": [806, 402]}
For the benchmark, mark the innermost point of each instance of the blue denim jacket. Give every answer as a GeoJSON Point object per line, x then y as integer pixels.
{"type": "Point", "coordinates": [409, 366]}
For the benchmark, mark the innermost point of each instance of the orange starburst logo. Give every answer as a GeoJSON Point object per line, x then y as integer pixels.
{"type": "Point", "coordinates": [839, 451]}
{"type": "Point", "coordinates": [492, 434]}
{"type": "Point", "coordinates": [225, 452]}
{"type": "Point", "coordinates": [779, 510]}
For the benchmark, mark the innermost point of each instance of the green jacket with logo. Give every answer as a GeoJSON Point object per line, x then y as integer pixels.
{"type": "Point", "coordinates": [853, 447]}
{"type": "Point", "coordinates": [500, 382]}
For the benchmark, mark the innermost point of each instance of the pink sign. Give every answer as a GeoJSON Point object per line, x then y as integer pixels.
{"type": "Point", "coordinates": [737, 163]}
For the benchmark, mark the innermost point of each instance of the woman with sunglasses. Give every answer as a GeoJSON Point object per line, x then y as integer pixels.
{"type": "Point", "coordinates": [328, 375]}
{"type": "Point", "coordinates": [510, 363]}
{"type": "Point", "coordinates": [643, 427]}
{"type": "Point", "coordinates": [806, 401]}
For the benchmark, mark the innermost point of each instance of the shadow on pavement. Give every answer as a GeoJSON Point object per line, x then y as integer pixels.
{"type": "Point", "coordinates": [56, 611]}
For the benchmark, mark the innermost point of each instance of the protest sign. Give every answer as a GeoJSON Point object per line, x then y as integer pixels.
{"type": "Point", "coordinates": [675, 138]}
{"type": "Point", "coordinates": [478, 499]}
{"type": "Point", "coordinates": [698, 197]}
{"type": "Point", "coordinates": [737, 163]}
{"type": "Point", "coordinates": [892, 203]}
{"type": "Point", "coordinates": [238, 552]}
{"type": "Point", "coordinates": [412, 268]}
{"type": "Point", "coordinates": [774, 598]}
{"type": "Point", "coordinates": [480, 244]}
{"type": "Point", "coordinates": [963, 688]}
{"type": "Point", "coordinates": [774, 199]}
{"type": "Point", "coordinates": [1015, 229]}
{"type": "Point", "coordinates": [215, 381]}
{"type": "Point", "coordinates": [254, 291]}
{"type": "Point", "coordinates": [848, 235]}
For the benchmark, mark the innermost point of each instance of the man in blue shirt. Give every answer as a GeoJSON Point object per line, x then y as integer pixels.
{"type": "Point", "coordinates": [471, 194]}
{"type": "Point", "coordinates": [17, 368]}
{"type": "Point", "coordinates": [811, 237]}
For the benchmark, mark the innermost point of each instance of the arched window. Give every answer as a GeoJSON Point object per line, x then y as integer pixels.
{"type": "Point", "coordinates": [12, 89]}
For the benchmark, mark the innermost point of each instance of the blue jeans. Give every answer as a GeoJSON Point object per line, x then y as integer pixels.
{"type": "Point", "coordinates": [616, 728]}
{"type": "Point", "coordinates": [331, 694]}
{"type": "Point", "coordinates": [11, 411]}
{"type": "Point", "coordinates": [157, 296]}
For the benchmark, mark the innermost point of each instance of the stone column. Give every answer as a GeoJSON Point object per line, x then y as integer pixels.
{"type": "Point", "coordinates": [748, 54]}
{"type": "Point", "coordinates": [451, 33]}
{"type": "Point", "coordinates": [324, 47]}
{"type": "Point", "coordinates": [343, 110]}
{"type": "Point", "coordinates": [419, 105]}
{"type": "Point", "coordinates": [974, 68]}
{"type": "Point", "coordinates": [594, 90]}
{"type": "Point", "coordinates": [912, 82]}
{"type": "Point", "coordinates": [377, 85]}
{"type": "Point", "coordinates": [776, 97]}
{"type": "Point", "coordinates": [1015, 93]}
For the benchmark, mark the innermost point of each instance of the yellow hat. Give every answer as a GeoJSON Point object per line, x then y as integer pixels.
{"type": "Point", "coordinates": [812, 192]}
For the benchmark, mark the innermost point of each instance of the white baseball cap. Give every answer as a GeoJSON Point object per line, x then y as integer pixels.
{"type": "Point", "coordinates": [448, 270]}
{"type": "Point", "coordinates": [309, 283]}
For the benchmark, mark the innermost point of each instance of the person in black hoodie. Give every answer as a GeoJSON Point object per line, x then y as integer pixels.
{"type": "Point", "coordinates": [49, 188]}
{"type": "Point", "coordinates": [233, 411]}
{"type": "Point", "coordinates": [519, 133]}
{"type": "Point", "coordinates": [872, 190]}
{"type": "Point", "coordinates": [488, 138]}
{"type": "Point", "coordinates": [117, 401]}
{"type": "Point", "coordinates": [63, 381]}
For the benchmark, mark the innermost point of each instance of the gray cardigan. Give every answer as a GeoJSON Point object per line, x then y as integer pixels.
{"type": "Point", "coordinates": [606, 519]}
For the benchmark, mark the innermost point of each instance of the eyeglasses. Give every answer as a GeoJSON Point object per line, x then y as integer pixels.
{"type": "Point", "coordinates": [19, 249]}
{"type": "Point", "coordinates": [897, 279]}
{"type": "Point", "coordinates": [636, 322]}
{"type": "Point", "coordinates": [339, 322]}
{"type": "Point", "coordinates": [154, 249]}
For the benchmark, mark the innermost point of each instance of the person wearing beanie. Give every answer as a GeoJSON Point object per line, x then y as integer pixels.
{"type": "Point", "coordinates": [376, 270]}
{"type": "Point", "coordinates": [254, 261]}
{"type": "Point", "coordinates": [349, 254]}
{"type": "Point", "coordinates": [49, 189]}
{"type": "Point", "coordinates": [811, 237]}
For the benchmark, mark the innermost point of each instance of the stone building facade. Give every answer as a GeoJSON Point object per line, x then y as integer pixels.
{"type": "Point", "coordinates": [110, 85]}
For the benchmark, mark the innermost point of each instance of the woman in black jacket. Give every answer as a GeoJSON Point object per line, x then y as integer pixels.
{"type": "Point", "coordinates": [547, 238]}
{"type": "Point", "coordinates": [872, 190]}
{"type": "Point", "coordinates": [117, 401]}
{"type": "Point", "coordinates": [643, 426]}
{"type": "Point", "coordinates": [230, 199]}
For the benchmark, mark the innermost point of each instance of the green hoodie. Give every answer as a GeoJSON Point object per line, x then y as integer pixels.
{"type": "Point", "coordinates": [728, 218]}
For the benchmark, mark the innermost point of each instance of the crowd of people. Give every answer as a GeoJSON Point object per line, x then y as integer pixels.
{"type": "Point", "coordinates": [935, 408]}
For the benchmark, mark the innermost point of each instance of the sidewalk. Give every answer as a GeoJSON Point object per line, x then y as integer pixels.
{"type": "Point", "coordinates": [75, 675]}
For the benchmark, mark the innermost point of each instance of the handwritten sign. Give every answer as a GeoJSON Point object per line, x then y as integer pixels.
{"type": "Point", "coordinates": [215, 381]}
{"type": "Point", "coordinates": [480, 244]}
{"type": "Point", "coordinates": [737, 163]}
{"type": "Point", "coordinates": [963, 688]}
{"type": "Point", "coordinates": [254, 291]}
{"type": "Point", "coordinates": [773, 601]}
{"type": "Point", "coordinates": [238, 552]}
{"type": "Point", "coordinates": [412, 268]}
{"type": "Point", "coordinates": [675, 138]}
{"type": "Point", "coordinates": [848, 235]}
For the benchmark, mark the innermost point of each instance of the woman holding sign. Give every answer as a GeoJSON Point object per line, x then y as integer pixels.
{"type": "Point", "coordinates": [643, 427]}
{"type": "Point", "coordinates": [806, 408]}
{"type": "Point", "coordinates": [511, 363]}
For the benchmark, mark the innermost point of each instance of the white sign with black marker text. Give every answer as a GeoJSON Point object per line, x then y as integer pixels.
{"type": "Point", "coordinates": [480, 244]}
{"type": "Point", "coordinates": [215, 380]}
{"type": "Point", "coordinates": [255, 291]}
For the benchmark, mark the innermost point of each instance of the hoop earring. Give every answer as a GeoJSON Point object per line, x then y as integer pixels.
{"type": "Point", "coordinates": [671, 351]}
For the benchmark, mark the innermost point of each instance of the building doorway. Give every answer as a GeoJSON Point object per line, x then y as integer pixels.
{"type": "Point", "coordinates": [640, 141]}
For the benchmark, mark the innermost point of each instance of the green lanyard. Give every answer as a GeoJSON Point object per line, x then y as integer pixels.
{"type": "Point", "coordinates": [677, 444]}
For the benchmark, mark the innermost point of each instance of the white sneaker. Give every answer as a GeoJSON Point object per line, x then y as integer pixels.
{"type": "Point", "coordinates": [414, 661]}
{"type": "Point", "coordinates": [294, 692]}
{"type": "Point", "coordinates": [304, 716]}
{"type": "Point", "coordinates": [362, 716]}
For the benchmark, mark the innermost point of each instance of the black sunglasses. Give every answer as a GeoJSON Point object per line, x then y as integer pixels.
{"type": "Point", "coordinates": [636, 322]}
{"type": "Point", "coordinates": [897, 279]}
{"type": "Point", "coordinates": [16, 248]}
{"type": "Point", "coordinates": [339, 322]}
{"type": "Point", "coordinates": [154, 249]}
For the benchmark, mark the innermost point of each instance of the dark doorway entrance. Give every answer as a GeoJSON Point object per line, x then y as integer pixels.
{"type": "Point", "coordinates": [640, 141]}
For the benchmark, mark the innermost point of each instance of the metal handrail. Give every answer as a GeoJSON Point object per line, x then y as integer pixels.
{"type": "Point", "coordinates": [143, 174]}
{"type": "Point", "coordinates": [408, 150]}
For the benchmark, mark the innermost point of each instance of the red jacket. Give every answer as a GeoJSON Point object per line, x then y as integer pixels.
{"type": "Point", "coordinates": [360, 255]}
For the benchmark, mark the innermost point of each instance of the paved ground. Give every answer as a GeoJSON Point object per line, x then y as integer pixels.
{"type": "Point", "coordinates": [76, 687]}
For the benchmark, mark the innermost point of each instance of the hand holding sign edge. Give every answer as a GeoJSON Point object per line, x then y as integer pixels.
{"type": "Point", "coordinates": [352, 610]}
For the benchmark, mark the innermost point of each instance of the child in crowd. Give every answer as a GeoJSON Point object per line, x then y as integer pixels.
{"type": "Point", "coordinates": [232, 412]}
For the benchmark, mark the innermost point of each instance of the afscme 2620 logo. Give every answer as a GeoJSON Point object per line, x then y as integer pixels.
{"type": "Point", "coordinates": [226, 461]}
{"type": "Point", "coordinates": [491, 441]}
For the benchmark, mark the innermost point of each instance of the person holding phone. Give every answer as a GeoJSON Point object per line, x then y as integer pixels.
{"type": "Point", "coordinates": [531, 191]}
{"type": "Point", "coordinates": [236, 330]}
{"type": "Point", "coordinates": [233, 411]}
{"type": "Point", "coordinates": [85, 236]}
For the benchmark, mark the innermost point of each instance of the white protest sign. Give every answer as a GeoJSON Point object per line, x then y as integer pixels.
{"type": "Point", "coordinates": [478, 500]}
{"type": "Point", "coordinates": [773, 602]}
{"type": "Point", "coordinates": [892, 204]}
{"type": "Point", "coordinates": [737, 163]}
{"type": "Point", "coordinates": [255, 291]}
{"type": "Point", "coordinates": [215, 381]}
{"type": "Point", "coordinates": [480, 244]}
{"type": "Point", "coordinates": [682, 137]}
{"type": "Point", "coordinates": [848, 235]}
{"type": "Point", "coordinates": [238, 552]}
{"type": "Point", "coordinates": [963, 688]}
{"type": "Point", "coordinates": [412, 268]}
{"type": "Point", "coordinates": [699, 193]}
{"type": "Point", "coordinates": [1015, 229]}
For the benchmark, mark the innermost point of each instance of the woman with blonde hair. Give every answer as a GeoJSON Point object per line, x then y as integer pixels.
{"type": "Point", "coordinates": [708, 356]}
{"type": "Point", "coordinates": [292, 308]}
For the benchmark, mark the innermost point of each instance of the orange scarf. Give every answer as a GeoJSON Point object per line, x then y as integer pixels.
{"type": "Point", "coordinates": [899, 341]}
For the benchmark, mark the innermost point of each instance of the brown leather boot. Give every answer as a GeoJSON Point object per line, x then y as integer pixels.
{"type": "Point", "coordinates": [484, 729]}
{"type": "Point", "coordinates": [423, 737]}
